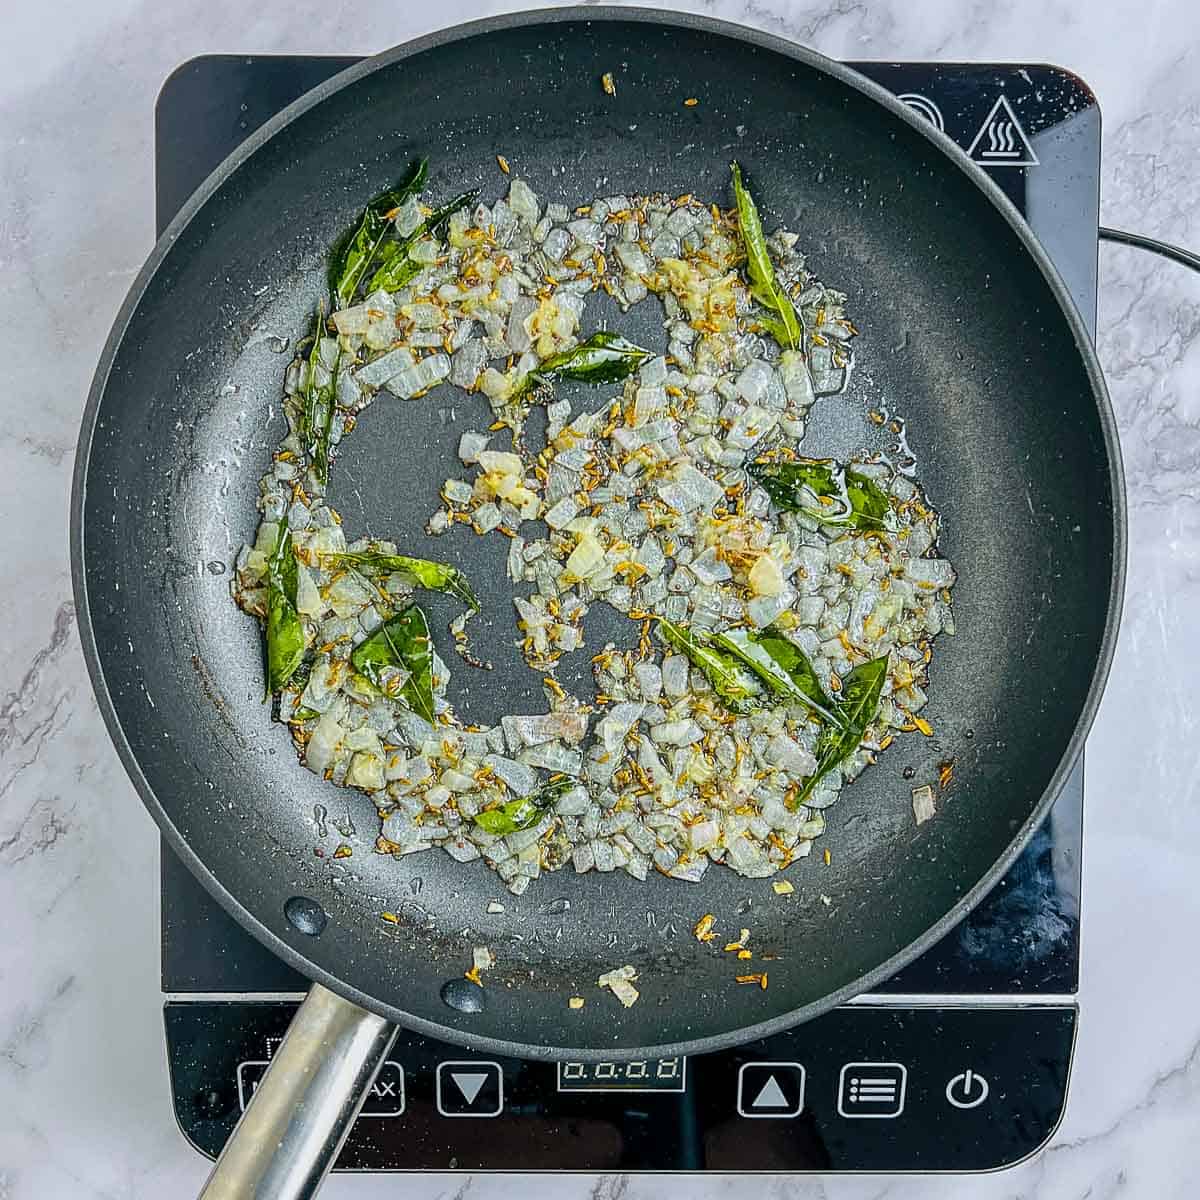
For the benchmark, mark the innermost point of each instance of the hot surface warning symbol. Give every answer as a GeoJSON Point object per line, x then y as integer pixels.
{"type": "Point", "coordinates": [1001, 142]}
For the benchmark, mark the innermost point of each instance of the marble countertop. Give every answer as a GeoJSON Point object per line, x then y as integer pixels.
{"type": "Point", "coordinates": [84, 1104]}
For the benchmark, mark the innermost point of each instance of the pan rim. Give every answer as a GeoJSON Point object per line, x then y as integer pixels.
{"type": "Point", "coordinates": [759, 40]}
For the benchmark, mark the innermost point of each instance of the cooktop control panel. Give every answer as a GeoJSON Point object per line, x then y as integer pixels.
{"type": "Point", "coordinates": [863, 1088]}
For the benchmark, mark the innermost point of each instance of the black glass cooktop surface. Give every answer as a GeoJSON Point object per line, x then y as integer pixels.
{"type": "Point", "coordinates": [960, 1062]}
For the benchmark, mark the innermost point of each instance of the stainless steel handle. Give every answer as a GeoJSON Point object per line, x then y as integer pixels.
{"type": "Point", "coordinates": [301, 1112]}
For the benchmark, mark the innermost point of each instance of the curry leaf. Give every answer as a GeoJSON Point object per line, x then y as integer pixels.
{"type": "Point", "coordinates": [736, 688]}
{"type": "Point", "coordinates": [782, 665]}
{"type": "Point", "coordinates": [307, 393]}
{"type": "Point", "coordinates": [401, 641]}
{"type": "Point", "coordinates": [319, 405]}
{"type": "Point", "coordinates": [775, 328]}
{"type": "Point", "coordinates": [524, 811]}
{"type": "Point", "coordinates": [783, 480]}
{"type": "Point", "coordinates": [324, 409]}
{"type": "Point", "coordinates": [868, 501]}
{"type": "Point", "coordinates": [356, 251]}
{"type": "Point", "coordinates": [436, 221]}
{"type": "Point", "coordinates": [421, 572]}
{"type": "Point", "coordinates": [785, 325]}
{"type": "Point", "coordinates": [843, 496]}
{"type": "Point", "coordinates": [285, 629]}
{"type": "Point", "coordinates": [398, 268]}
{"type": "Point", "coordinates": [861, 690]}
{"type": "Point", "coordinates": [605, 357]}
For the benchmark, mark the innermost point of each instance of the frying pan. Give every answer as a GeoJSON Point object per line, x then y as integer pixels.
{"type": "Point", "coordinates": [965, 329]}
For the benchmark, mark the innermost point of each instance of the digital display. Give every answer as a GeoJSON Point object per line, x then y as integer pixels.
{"type": "Point", "coordinates": [640, 1075]}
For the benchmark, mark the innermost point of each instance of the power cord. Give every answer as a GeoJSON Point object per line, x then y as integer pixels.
{"type": "Point", "coordinates": [1185, 258]}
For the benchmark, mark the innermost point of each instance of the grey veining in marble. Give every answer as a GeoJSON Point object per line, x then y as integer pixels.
{"type": "Point", "coordinates": [84, 1108]}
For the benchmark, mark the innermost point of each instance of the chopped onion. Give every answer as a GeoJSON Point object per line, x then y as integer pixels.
{"type": "Point", "coordinates": [645, 506]}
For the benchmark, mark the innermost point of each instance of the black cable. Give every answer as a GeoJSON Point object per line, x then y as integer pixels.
{"type": "Point", "coordinates": [1185, 258]}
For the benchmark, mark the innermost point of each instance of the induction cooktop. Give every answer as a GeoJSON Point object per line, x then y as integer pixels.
{"type": "Point", "coordinates": [960, 1062]}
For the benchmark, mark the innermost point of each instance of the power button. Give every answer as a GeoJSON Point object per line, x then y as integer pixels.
{"type": "Point", "coordinates": [968, 1089]}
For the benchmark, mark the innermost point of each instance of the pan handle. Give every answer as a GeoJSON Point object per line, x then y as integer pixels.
{"type": "Point", "coordinates": [301, 1112]}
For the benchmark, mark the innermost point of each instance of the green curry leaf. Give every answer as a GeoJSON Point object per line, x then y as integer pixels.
{"type": "Point", "coordinates": [421, 572]}
{"type": "Point", "coordinates": [861, 689]}
{"type": "Point", "coordinates": [358, 249]}
{"type": "Point", "coordinates": [401, 641]}
{"type": "Point", "coordinates": [868, 501]}
{"type": "Point", "coordinates": [319, 404]}
{"type": "Point", "coordinates": [524, 811]}
{"type": "Point", "coordinates": [843, 495]}
{"type": "Point", "coordinates": [782, 665]}
{"type": "Point", "coordinates": [735, 686]}
{"type": "Point", "coordinates": [397, 268]}
{"type": "Point", "coordinates": [605, 357]}
{"type": "Point", "coordinates": [285, 629]}
{"type": "Point", "coordinates": [784, 326]}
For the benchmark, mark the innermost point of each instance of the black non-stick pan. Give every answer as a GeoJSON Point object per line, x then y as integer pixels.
{"type": "Point", "coordinates": [965, 330]}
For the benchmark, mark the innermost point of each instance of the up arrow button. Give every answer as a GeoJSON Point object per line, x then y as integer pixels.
{"type": "Point", "coordinates": [770, 1090]}
{"type": "Point", "coordinates": [771, 1096]}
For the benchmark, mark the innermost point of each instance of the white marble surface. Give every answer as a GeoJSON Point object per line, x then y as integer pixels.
{"type": "Point", "coordinates": [84, 1110]}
